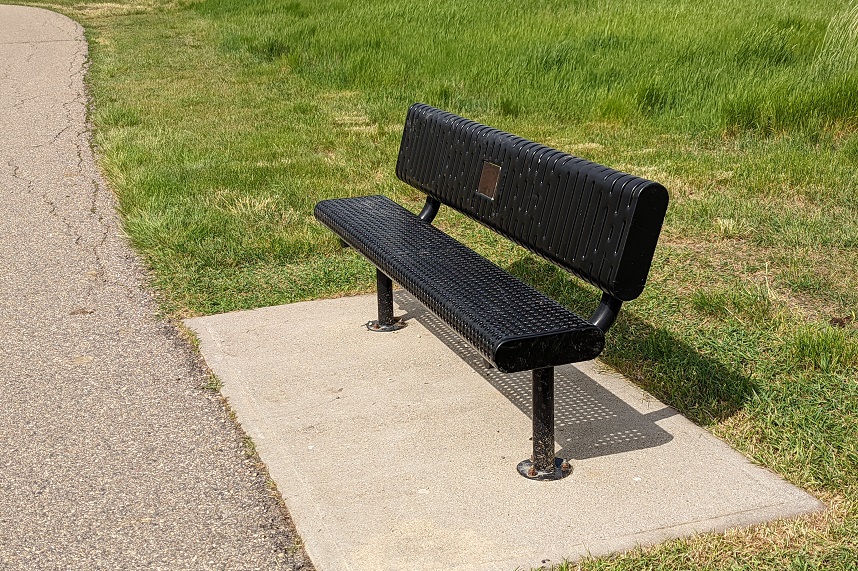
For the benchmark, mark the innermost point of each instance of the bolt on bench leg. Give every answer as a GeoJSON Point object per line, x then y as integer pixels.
{"type": "Point", "coordinates": [543, 465]}
{"type": "Point", "coordinates": [386, 320]}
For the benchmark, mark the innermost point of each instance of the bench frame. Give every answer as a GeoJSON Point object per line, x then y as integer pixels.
{"type": "Point", "coordinates": [638, 204]}
{"type": "Point", "coordinates": [542, 465]}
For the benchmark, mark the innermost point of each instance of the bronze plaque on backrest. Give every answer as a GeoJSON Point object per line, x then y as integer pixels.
{"type": "Point", "coordinates": [489, 180]}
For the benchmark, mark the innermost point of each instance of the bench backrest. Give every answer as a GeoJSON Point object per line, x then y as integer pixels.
{"type": "Point", "coordinates": [598, 223]}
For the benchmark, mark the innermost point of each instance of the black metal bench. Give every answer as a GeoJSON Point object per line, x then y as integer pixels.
{"type": "Point", "coordinates": [598, 223]}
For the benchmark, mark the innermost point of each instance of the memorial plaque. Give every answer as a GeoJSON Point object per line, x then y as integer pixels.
{"type": "Point", "coordinates": [489, 180]}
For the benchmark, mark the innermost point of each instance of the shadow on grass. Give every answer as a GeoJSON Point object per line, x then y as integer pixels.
{"type": "Point", "coordinates": [702, 388]}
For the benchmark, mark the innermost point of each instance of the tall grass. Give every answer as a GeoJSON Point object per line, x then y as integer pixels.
{"type": "Point", "coordinates": [690, 66]}
{"type": "Point", "coordinates": [838, 55]}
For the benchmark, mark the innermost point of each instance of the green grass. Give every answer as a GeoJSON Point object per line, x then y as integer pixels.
{"type": "Point", "coordinates": [219, 123]}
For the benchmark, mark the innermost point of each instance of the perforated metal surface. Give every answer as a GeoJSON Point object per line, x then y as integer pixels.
{"type": "Point", "coordinates": [508, 322]}
{"type": "Point", "coordinates": [596, 222]}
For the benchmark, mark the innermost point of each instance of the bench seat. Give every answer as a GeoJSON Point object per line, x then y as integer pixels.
{"type": "Point", "coordinates": [512, 325]}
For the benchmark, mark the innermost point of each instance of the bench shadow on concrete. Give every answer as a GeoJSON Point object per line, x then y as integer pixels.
{"type": "Point", "coordinates": [589, 420]}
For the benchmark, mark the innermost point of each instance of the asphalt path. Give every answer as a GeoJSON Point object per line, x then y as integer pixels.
{"type": "Point", "coordinates": [112, 456]}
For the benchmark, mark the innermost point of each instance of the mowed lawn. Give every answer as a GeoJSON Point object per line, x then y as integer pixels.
{"type": "Point", "coordinates": [220, 123]}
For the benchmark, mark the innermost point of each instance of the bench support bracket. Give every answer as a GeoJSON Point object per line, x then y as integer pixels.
{"type": "Point", "coordinates": [543, 465]}
{"type": "Point", "coordinates": [607, 312]}
{"type": "Point", "coordinates": [430, 209]}
{"type": "Point", "coordinates": [386, 321]}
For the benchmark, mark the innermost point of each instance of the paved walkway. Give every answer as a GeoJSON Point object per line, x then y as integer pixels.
{"type": "Point", "coordinates": [111, 456]}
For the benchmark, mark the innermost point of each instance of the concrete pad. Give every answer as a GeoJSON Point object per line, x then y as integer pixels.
{"type": "Point", "coordinates": [398, 450]}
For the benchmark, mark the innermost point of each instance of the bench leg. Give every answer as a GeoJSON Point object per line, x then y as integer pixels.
{"type": "Point", "coordinates": [543, 419]}
{"type": "Point", "coordinates": [543, 465]}
{"type": "Point", "coordinates": [386, 320]}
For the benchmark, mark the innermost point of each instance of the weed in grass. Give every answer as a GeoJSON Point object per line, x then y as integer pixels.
{"type": "Point", "coordinates": [824, 347]}
{"type": "Point", "coordinates": [213, 383]}
{"type": "Point", "coordinates": [740, 305]}
{"type": "Point", "coordinates": [249, 447]}
{"type": "Point", "coordinates": [803, 279]}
